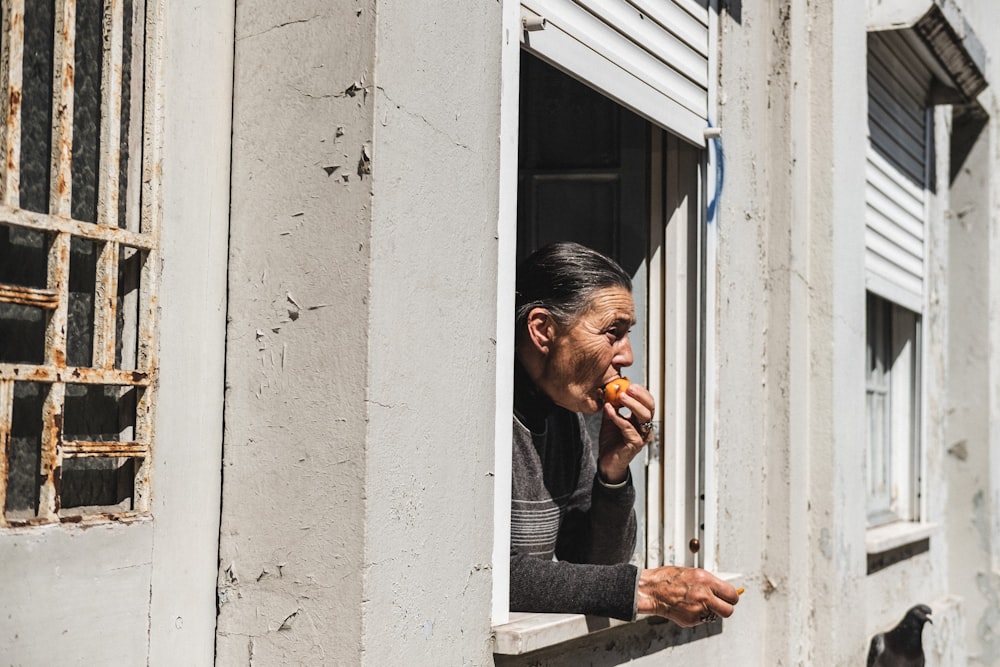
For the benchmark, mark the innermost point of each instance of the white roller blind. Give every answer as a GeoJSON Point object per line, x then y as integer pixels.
{"type": "Point", "coordinates": [651, 56]}
{"type": "Point", "coordinates": [896, 171]}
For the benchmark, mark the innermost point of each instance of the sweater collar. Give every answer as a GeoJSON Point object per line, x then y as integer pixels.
{"type": "Point", "coordinates": [531, 406]}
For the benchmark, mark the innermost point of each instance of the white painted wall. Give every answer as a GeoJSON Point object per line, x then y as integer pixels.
{"type": "Point", "coordinates": [291, 565]}
{"type": "Point", "coordinates": [357, 513]}
{"type": "Point", "coordinates": [366, 263]}
{"type": "Point", "coordinates": [357, 521]}
{"type": "Point", "coordinates": [63, 587]}
{"type": "Point", "coordinates": [971, 462]}
{"type": "Point", "coordinates": [187, 459]}
{"type": "Point", "coordinates": [432, 371]}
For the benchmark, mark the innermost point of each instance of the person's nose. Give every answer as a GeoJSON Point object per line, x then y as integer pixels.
{"type": "Point", "coordinates": [623, 355]}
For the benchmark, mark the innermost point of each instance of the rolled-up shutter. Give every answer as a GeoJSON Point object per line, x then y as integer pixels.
{"type": "Point", "coordinates": [651, 56]}
{"type": "Point", "coordinates": [896, 171]}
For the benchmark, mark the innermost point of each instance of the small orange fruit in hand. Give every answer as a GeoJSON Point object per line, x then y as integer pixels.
{"type": "Point", "coordinates": [614, 390]}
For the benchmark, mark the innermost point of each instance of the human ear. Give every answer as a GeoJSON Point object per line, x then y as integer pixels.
{"type": "Point", "coordinates": [541, 329]}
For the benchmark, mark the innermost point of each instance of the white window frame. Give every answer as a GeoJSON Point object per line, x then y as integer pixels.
{"type": "Point", "coordinates": [894, 349]}
{"type": "Point", "coordinates": [676, 463]}
{"type": "Point", "coordinates": [679, 493]}
{"type": "Point", "coordinates": [653, 57]}
{"type": "Point", "coordinates": [669, 544]}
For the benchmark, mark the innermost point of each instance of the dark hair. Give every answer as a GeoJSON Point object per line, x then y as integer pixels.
{"type": "Point", "coordinates": [562, 278]}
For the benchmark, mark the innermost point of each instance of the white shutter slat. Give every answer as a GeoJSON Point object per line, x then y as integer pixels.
{"type": "Point", "coordinates": [619, 52]}
{"type": "Point", "coordinates": [903, 261]}
{"type": "Point", "coordinates": [884, 182]}
{"type": "Point", "coordinates": [909, 243]}
{"type": "Point", "coordinates": [696, 8]}
{"type": "Point", "coordinates": [890, 114]}
{"type": "Point", "coordinates": [660, 43]}
{"type": "Point", "coordinates": [884, 168]}
{"type": "Point", "coordinates": [899, 86]}
{"type": "Point", "coordinates": [649, 57]}
{"type": "Point", "coordinates": [691, 29]}
{"type": "Point", "coordinates": [886, 280]}
{"type": "Point", "coordinates": [892, 145]}
{"type": "Point", "coordinates": [896, 174]}
{"type": "Point", "coordinates": [885, 225]}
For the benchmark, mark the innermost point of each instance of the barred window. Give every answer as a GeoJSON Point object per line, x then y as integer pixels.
{"type": "Point", "coordinates": [78, 246]}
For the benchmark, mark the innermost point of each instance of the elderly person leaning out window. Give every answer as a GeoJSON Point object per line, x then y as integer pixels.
{"type": "Point", "coordinates": [573, 524]}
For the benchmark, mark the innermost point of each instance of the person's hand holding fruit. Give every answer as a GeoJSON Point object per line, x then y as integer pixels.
{"type": "Point", "coordinates": [622, 437]}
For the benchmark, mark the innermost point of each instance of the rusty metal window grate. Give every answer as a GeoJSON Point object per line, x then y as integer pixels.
{"type": "Point", "coordinates": [78, 251]}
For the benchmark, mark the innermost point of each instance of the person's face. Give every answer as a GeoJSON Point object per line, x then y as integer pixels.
{"type": "Point", "coordinates": [589, 353]}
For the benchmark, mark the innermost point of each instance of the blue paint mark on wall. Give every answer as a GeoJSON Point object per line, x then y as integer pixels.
{"type": "Point", "coordinates": [715, 145]}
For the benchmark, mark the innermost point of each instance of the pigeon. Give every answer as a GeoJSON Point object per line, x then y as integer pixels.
{"type": "Point", "coordinates": [901, 646]}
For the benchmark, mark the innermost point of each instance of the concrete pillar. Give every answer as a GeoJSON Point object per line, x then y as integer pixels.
{"type": "Point", "coordinates": [357, 496]}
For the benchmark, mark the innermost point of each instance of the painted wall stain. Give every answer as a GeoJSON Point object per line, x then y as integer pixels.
{"type": "Point", "coordinates": [959, 450]}
{"type": "Point", "coordinates": [981, 519]}
{"type": "Point", "coordinates": [365, 161]}
{"type": "Point", "coordinates": [988, 625]}
{"type": "Point", "coordinates": [826, 544]}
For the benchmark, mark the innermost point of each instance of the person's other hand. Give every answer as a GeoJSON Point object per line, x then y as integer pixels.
{"type": "Point", "coordinates": [622, 438]}
{"type": "Point", "coordinates": [687, 596]}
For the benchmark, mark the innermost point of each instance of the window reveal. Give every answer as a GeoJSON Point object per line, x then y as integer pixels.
{"type": "Point", "coordinates": [78, 246]}
{"type": "Point", "coordinates": [592, 172]}
{"type": "Point", "coordinates": [893, 412]}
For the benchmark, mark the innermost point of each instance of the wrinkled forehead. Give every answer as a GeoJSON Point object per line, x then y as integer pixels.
{"type": "Point", "coordinates": [611, 305]}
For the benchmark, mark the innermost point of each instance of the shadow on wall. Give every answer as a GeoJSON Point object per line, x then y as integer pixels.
{"type": "Point", "coordinates": [615, 646]}
{"type": "Point", "coordinates": [732, 7]}
{"type": "Point", "coordinates": [968, 123]}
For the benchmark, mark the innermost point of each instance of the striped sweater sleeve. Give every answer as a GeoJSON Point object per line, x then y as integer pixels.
{"type": "Point", "coordinates": [571, 537]}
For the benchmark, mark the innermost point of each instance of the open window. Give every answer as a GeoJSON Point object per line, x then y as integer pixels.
{"type": "Point", "coordinates": [594, 172]}
{"type": "Point", "coordinates": [893, 411]}
{"type": "Point", "coordinates": [614, 100]}
{"type": "Point", "coordinates": [920, 54]}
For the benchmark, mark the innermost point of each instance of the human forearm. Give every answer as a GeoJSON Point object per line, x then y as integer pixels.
{"type": "Point", "coordinates": [541, 585]}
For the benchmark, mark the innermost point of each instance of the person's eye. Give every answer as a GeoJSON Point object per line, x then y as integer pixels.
{"type": "Point", "coordinates": [617, 333]}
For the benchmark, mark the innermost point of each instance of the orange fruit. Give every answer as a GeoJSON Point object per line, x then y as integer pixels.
{"type": "Point", "coordinates": [614, 390]}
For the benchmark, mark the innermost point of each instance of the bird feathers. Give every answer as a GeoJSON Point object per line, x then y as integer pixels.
{"type": "Point", "coordinates": [903, 645]}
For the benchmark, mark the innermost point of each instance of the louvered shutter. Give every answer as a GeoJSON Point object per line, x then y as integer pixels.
{"type": "Point", "coordinates": [896, 171]}
{"type": "Point", "coordinates": [651, 56]}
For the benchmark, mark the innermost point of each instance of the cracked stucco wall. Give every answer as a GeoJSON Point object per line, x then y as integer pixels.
{"type": "Point", "coordinates": [968, 455]}
{"type": "Point", "coordinates": [432, 375]}
{"type": "Point", "coordinates": [791, 325]}
{"type": "Point", "coordinates": [357, 495]}
{"type": "Point", "coordinates": [972, 439]}
{"type": "Point", "coordinates": [292, 537]}
{"type": "Point", "coordinates": [357, 511]}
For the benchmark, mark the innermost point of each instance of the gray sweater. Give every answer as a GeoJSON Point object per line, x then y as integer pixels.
{"type": "Point", "coordinates": [571, 536]}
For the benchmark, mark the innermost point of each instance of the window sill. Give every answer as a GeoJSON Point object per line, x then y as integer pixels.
{"type": "Point", "coordinates": [526, 632]}
{"type": "Point", "coordinates": [897, 534]}
{"type": "Point", "coordinates": [897, 542]}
